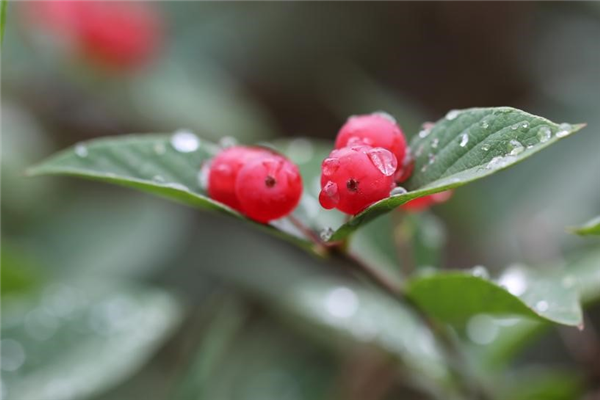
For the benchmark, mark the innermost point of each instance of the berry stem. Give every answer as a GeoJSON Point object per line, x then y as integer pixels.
{"type": "Point", "coordinates": [306, 231]}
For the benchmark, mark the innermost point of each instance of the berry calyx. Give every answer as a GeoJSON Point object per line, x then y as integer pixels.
{"type": "Point", "coordinates": [268, 188]}
{"type": "Point", "coordinates": [355, 177]}
{"type": "Point", "coordinates": [423, 203]}
{"type": "Point", "coordinates": [224, 170]}
{"type": "Point", "coordinates": [375, 130]}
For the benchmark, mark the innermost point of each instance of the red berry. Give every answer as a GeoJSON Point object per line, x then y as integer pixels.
{"type": "Point", "coordinates": [114, 35]}
{"type": "Point", "coordinates": [268, 188]}
{"type": "Point", "coordinates": [224, 169]}
{"type": "Point", "coordinates": [423, 203]}
{"type": "Point", "coordinates": [130, 45]}
{"type": "Point", "coordinates": [375, 130]}
{"type": "Point", "coordinates": [355, 177]}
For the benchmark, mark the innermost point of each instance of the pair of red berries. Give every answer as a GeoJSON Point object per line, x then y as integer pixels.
{"type": "Point", "coordinates": [370, 158]}
{"type": "Point", "coordinates": [114, 35]}
{"type": "Point", "coordinates": [256, 181]}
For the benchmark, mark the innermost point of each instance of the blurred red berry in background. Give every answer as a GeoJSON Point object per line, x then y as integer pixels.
{"type": "Point", "coordinates": [423, 203]}
{"type": "Point", "coordinates": [114, 35]}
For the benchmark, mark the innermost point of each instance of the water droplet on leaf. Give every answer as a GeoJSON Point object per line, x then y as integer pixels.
{"type": "Point", "coordinates": [464, 139]}
{"type": "Point", "coordinates": [185, 141]}
{"type": "Point", "coordinates": [480, 271]}
{"type": "Point", "coordinates": [515, 147]}
{"type": "Point", "coordinates": [541, 306]}
{"type": "Point", "coordinates": [341, 302]}
{"type": "Point", "coordinates": [544, 134]}
{"type": "Point", "coordinates": [159, 149]}
{"type": "Point", "coordinates": [452, 114]}
{"type": "Point", "coordinates": [397, 191]}
{"type": "Point", "coordinates": [81, 150]}
{"type": "Point", "coordinates": [564, 130]}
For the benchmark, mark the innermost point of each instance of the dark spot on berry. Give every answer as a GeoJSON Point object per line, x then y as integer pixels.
{"type": "Point", "coordinates": [352, 185]}
{"type": "Point", "coordinates": [270, 181]}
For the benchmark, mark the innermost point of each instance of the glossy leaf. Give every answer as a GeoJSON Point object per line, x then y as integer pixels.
{"type": "Point", "coordinates": [165, 165]}
{"type": "Point", "coordinates": [454, 297]}
{"type": "Point", "coordinates": [77, 340]}
{"type": "Point", "coordinates": [583, 273]}
{"type": "Point", "coordinates": [592, 227]}
{"type": "Point", "coordinates": [465, 146]}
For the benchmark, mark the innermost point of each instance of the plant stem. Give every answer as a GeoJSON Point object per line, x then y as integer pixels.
{"type": "Point", "coordinates": [475, 391]}
{"type": "Point", "coordinates": [403, 238]}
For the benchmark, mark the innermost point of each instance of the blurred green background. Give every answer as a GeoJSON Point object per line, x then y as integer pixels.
{"type": "Point", "coordinates": [111, 294]}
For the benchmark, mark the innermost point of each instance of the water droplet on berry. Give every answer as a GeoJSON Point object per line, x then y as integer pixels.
{"type": "Point", "coordinates": [159, 149]}
{"type": "Point", "coordinates": [452, 114]}
{"type": "Point", "coordinates": [330, 166]}
{"type": "Point", "coordinates": [397, 191]}
{"type": "Point", "coordinates": [185, 141]}
{"type": "Point", "coordinates": [385, 115]}
{"type": "Point", "coordinates": [81, 151]}
{"type": "Point", "coordinates": [564, 130]}
{"type": "Point", "coordinates": [158, 179]}
{"type": "Point", "coordinates": [383, 160]}
{"type": "Point", "coordinates": [480, 271]}
{"type": "Point", "coordinates": [544, 134]}
{"type": "Point", "coordinates": [541, 306]}
{"type": "Point", "coordinates": [341, 302]}
{"type": "Point", "coordinates": [435, 143]}
{"type": "Point", "coordinates": [326, 234]}
{"type": "Point", "coordinates": [464, 139]}
{"type": "Point", "coordinates": [332, 192]}
{"type": "Point", "coordinates": [515, 147]}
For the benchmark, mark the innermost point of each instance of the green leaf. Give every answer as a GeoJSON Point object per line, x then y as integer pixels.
{"type": "Point", "coordinates": [165, 165]}
{"type": "Point", "coordinates": [455, 297]}
{"type": "Point", "coordinates": [465, 146]}
{"type": "Point", "coordinates": [582, 273]}
{"type": "Point", "coordinates": [592, 227]}
{"type": "Point", "coordinates": [77, 340]}
{"type": "Point", "coordinates": [341, 313]}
